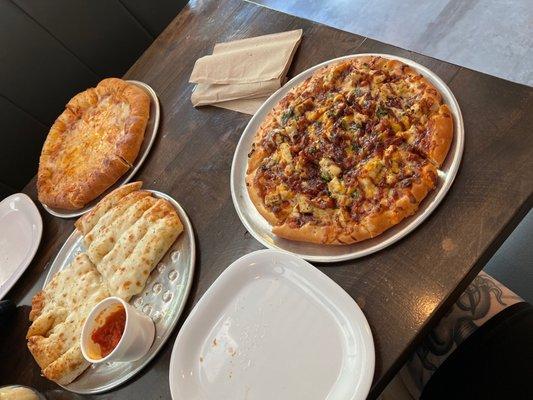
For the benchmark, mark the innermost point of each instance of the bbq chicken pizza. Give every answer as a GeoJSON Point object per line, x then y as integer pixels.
{"type": "Point", "coordinates": [350, 152]}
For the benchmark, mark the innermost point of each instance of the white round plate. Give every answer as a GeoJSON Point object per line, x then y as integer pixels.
{"type": "Point", "coordinates": [149, 137]}
{"type": "Point", "coordinates": [260, 229]}
{"type": "Point", "coordinates": [21, 228]}
{"type": "Point", "coordinates": [163, 299]}
{"type": "Point", "coordinates": [272, 326]}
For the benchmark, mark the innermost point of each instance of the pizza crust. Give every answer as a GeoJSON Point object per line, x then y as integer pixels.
{"type": "Point", "coordinates": [92, 143]}
{"type": "Point", "coordinates": [256, 198]}
{"type": "Point", "coordinates": [128, 146]}
{"type": "Point", "coordinates": [440, 133]}
{"type": "Point", "coordinates": [405, 206]}
{"type": "Point", "coordinates": [353, 233]}
{"type": "Point", "coordinates": [306, 233]}
{"type": "Point", "coordinates": [430, 145]}
{"type": "Point", "coordinates": [77, 195]}
{"type": "Point", "coordinates": [330, 235]}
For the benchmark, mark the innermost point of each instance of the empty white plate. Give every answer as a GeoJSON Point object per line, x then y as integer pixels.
{"type": "Point", "coordinates": [21, 228]}
{"type": "Point", "coordinates": [272, 326]}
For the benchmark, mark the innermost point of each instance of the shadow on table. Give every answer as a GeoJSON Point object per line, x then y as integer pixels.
{"type": "Point", "coordinates": [512, 264]}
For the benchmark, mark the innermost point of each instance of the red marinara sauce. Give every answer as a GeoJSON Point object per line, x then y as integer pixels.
{"type": "Point", "coordinates": [109, 333]}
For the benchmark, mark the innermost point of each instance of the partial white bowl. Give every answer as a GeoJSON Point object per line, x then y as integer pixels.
{"type": "Point", "coordinates": [272, 326]}
{"type": "Point", "coordinates": [21, 228]}
{"type": "Point", "coordinates": [136, 339]}
{"type": "Point", "coordinates": [20, 392]}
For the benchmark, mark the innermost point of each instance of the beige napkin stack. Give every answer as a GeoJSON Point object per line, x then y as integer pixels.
{"type": "Point", "coordinates": [241, 75]}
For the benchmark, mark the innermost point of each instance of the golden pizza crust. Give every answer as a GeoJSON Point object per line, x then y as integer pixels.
{"type": "Point", "coordinates": [306, 233]}
{"type": "Point", "coordinates": [433, 142]}
{"type": "Point", "coordinates": [333, 235]}
{"type": "Point", "coordinates": [440, 133]}
{"type": "Point", "coordinates": [92, 143]}
{"type": "Point", "coordinates": [405, 206]}
{"type": "Point", "coordinates": [138, 100]}
{"type": "Point", "coordinates": [256, 198]}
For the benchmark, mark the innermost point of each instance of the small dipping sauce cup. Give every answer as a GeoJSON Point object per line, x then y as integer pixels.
{"type": "Point", "coordinates": [116, 331]}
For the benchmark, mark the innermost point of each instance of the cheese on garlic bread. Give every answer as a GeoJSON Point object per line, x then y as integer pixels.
{"type": "Point", "coordinates": [58, 313]}
{"type": "Point", "coordinates": [125, 236]}
{"type": "Point", "coordinates": [128, 239]}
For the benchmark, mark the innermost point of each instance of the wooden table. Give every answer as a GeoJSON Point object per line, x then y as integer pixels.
{"type": "Point", "coordinates": [404, 289]}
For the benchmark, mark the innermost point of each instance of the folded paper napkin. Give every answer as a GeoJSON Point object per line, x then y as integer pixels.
{"type": "Point", "coordinates": [240, 75]}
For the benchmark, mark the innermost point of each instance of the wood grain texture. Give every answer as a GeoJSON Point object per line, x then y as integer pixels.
{"type": "Point", "coordinates": [404, 289]}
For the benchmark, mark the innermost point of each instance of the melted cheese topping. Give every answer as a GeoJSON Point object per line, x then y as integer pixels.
{"type": "Point", "coordinates": [94, 135]}
{"type": "Point", "coordinates": [342, 145]}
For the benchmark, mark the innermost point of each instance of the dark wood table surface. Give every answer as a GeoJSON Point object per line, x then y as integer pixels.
{"type": "Point", "coordinates": [404, 289]}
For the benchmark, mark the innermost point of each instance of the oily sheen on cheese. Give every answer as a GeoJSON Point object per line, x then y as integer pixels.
{"type": "Point", "coordinates": [92, 143]}
{"type": "Point", "coordinates": [57, 315]}
{"type": "Point", "coordinates": [139, 248]}
{"type": "Point", "coordinates": [125, 236]}
{"type": "Point", "coordinates": [111, 227]}
{"type": "Point", "coordinates": [89, 220]}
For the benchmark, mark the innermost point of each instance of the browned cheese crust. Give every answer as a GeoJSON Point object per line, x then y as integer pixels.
{"type": "Point", "coordinates": [440, 135]}
{"type": "Point", "coordinates": [350, 152]}
{"type": "Point", "coordinates": [58, 313]}
{"type": "Point", "coordinates": [125, 236]}
{"type": "Point", "coordinates": [92, 143]}
{"type": "Point", "coordinates": [85, 223]}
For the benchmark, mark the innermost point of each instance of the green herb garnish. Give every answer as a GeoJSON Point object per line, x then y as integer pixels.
{"type": "Point", "coordinates": [356, 147]}
{"type": "Point", "coordinates": [356, 126]}
{"type": "Point", "coordinates": [345, 124]}
{"type": "Point", "coordinates": [381, 112]}
{"type": "Point", "coordinates": [325, 177]}
{"type": "Point", "coordinates": [286, 116]}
